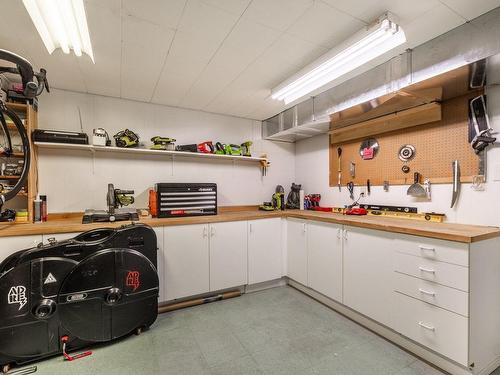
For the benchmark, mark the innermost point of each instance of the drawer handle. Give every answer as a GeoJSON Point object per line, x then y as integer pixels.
{"type": "Point", "coordinates": [423, 291]}
{"type": "Point", "coordinates": [426, 270]}
{"type": "Point", "coordinates": [426, 326]}
{"type": "Point", "coordinates": [338, 233]}
{"type": "Point", "coordinates": [425, 248]}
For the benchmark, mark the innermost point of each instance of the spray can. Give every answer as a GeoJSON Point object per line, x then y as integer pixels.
{"type": "Point", "coordinates": [43, 198]}
{"type": "Point", "coordinates": [37, 207]}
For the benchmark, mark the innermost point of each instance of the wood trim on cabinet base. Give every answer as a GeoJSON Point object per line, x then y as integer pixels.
{"type": "Point", "coordinates": [387, 333]}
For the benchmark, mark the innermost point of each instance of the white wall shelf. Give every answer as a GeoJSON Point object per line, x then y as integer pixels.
{"type": "Point", "coordinates": [136, 151]}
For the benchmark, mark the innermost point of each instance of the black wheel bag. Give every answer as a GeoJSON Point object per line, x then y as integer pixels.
{"type": "Point", "coordinates": [94, 288]}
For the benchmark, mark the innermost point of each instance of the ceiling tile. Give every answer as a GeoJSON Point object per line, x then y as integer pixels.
{"type": "Point", "coordinates": [202, 30]}
{"type": "Point", "coordinates": [285, 57]}
{"type": "Point", "coordinates": [369, 10]}
{"type": "Point", "coordinates": [278, 14]}
{"type": "Point", "coordinates": [244, 45]}
{"type": "Point", "coordinates": [202, 19]}
{"type": "Point", "coordinates": [160, 12]}
{"type": "Point", "coordinates": [103, 77]}
{"type": "Point", "coordinates": [187, 58]}
{"type": "Point", "coordinates": [324, 25]}
{"type": "Point", "coordinates": [471, 9]}
{"type": "Point", "coordinates": [236, 7]}
{"type": "Point", "coordinates": [432, 23]}
{"type": "Point", "coordinates": [142, 62]}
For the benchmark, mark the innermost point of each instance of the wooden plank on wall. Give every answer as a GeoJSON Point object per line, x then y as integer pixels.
{"type": "Point", "coordinates": [420, 115]}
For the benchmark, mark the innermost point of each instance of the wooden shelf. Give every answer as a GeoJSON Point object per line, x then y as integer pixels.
{"type": "Point", "coordinates": [144, 151]}
{"type": "Point", "coordinates": [17, 106]}
{"type": "Point", "coordinates": [13, 155]}
{"type": "Point", "coordinates": [11, 126]}
{"type": "Point", "coordinates": [20, 194]}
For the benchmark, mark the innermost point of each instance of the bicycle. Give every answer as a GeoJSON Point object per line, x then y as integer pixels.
{"type": "Point", "coordinates": [31, 89]}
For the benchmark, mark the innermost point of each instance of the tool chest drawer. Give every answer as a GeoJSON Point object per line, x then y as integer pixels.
{"type": "Point", "coordinates": [442, 273]}
{"type": "Point", "coordinates": [440, 330]}
{"type": "Point", "coordinates": [442, 296]}
{"type": "Point", "coordinates": [443, 251]}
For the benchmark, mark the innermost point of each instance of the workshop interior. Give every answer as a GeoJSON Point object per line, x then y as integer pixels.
{"type": "Point", "coordinates": [210, 187]}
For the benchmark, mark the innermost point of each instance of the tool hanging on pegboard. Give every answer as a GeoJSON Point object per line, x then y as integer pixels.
{"type": "Point", "coordinates": [369, 149]}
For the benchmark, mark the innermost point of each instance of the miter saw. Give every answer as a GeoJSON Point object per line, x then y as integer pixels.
{"type": "Point", "coordinates": [116, 198]}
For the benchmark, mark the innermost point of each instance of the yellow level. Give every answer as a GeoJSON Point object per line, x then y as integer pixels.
{"type": "Point", "coordinates": [424, 216]}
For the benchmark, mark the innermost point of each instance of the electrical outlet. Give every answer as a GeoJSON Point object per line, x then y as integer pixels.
{"type": "Point", "coordinates": [363, 191]}
{"type": "Point", "coordinates": [496, 172]}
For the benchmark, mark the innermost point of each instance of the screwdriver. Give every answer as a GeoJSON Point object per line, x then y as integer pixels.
{"type": "Point", "coordinates": [339, 153]}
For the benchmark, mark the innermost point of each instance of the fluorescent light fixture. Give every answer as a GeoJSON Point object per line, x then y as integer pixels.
{"type": "Point", "coordinates": [363, 47]}
{"type": "Point", "coordinates": [61, 24]}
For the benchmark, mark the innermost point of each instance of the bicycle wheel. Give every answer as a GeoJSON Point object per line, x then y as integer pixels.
{"type": "Point", "coordinates": [6, 148]}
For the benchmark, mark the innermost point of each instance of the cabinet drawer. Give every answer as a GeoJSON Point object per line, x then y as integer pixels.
{"type": "Point", "coordinates": [435, 294]}
{"type": "Point", "coordinates": [440, 330]}
{"type": "Point", "coordinates": [442, 273]}
{"type": "Point", "coordinates": [443, 251]}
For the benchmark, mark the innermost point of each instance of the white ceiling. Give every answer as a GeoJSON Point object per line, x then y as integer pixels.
{"type": "Point", "coordinates": [220, 56]}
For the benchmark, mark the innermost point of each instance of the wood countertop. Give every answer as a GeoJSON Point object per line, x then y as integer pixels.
{"type": "Point", "coordinates": [445, 231]}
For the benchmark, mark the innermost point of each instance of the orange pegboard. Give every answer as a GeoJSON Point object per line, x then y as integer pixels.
{"type": "Point", "coordinates": [437, 144]}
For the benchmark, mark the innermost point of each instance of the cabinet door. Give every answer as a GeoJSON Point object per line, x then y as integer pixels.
{"type": "Point", "coordinates": [10, 245]}
{"type": "Point", "coordinates": [297, 250]}
{"type": "Point", "coordinates": [186, 260]}
{"type": "Point", "coordinates": [324, 249]}
{"type": "Point", "coordinates": [228, 255]}
{"type": "Point", "coordinates": [160, 259]}
{"type": "Point", "coordinates": [368, 273]}
{"type": "Point", "coordinates": [264, 250]}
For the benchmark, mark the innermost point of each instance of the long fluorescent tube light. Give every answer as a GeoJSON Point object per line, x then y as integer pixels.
{"type": "Point", "coordinates": [363, 47]}
{"type": "Point", "coordinates": [61, 24]}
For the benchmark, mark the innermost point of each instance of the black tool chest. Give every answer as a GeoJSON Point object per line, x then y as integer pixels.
{"type": "Point", "coordinates": [192, 199]}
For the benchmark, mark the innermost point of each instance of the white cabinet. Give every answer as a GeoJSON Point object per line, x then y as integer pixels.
{"type": "Point", "coordinates": [186, 260]}
{"type": "Point", "coordinates": [324, 264]}
{"type": "Point", "coordinates": [368, 273]}
{"type": "Point", "coordinates": [228, 255]}
{"type": "Point", "coordinates": [10, 245]}
{"type": "Point", "coordinates": [160, 261]}
{"type": "Point", "coordinates": [297, 250]}
{"type": "Point", "coordinates": [264, 250]}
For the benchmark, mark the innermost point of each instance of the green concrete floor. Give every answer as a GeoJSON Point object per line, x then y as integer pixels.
{"type": "Point", "coordinates": [276, 331]}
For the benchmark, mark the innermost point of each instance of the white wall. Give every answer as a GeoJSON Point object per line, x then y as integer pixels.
{"type": "Point", "coordinates": [473, 207]}
{"type": "Point", "coordinates": [76, 180]}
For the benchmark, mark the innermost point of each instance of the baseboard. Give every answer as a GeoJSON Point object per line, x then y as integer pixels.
{"type": "Point", "coordinates": [490, 367]}
{"type": "Point", "coordinates": [265, 285]}
{"type": "Point", "coordinates": [405, 343]}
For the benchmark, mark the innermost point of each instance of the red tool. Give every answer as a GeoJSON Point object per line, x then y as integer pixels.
{"type": "Point", "coordinates": [356, 211]}
{"type": "Point", "coordinates": [322, 209]}
{"type": "Point", "coordinates": [206, 147]}
{"type": "Point", "coordinates": [69, 357]}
